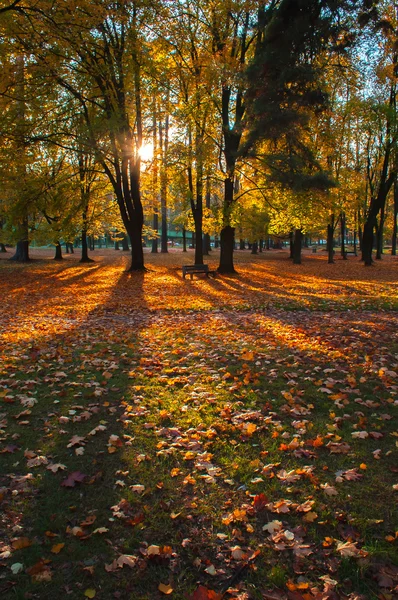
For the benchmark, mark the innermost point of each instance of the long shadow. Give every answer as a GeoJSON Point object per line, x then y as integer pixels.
{"type": "Point", "coordinates": [83, 370]}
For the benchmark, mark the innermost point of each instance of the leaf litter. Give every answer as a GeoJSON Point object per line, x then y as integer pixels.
{"type": "Point", "coordinates": [231, 448]}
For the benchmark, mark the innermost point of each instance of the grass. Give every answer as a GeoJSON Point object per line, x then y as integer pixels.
{"type": "Point", "coordinates": [222, 409]}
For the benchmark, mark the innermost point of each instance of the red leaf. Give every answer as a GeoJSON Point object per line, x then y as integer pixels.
{"type": "Point", "coordinates": [202, 593]}
{"type": "Point", "coordinates": [259, 502]}
{"type": "Point", "coordinates": [73, 478]}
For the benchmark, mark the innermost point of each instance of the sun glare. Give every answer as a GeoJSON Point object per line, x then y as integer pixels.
{"type": "Point", "coordinates": [146, 152]}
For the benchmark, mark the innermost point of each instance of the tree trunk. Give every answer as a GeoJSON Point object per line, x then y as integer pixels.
{"type": "Point", "coordinates": [227, 235]}
{"type": "Point", "coordinates": [380, 235]}
{"type": "Point", "coordinates": [58, 251]}
{"type": "Point", "coordinates": [261, 245]}
{"type": "Point", "coordinates": [227, 239]}
{"type": "Point", "coordinates": [137, 251]}
{"type": "Point", "coordinates": [330, 239]}
{"type": "Point", "coordinates": [21, 252]}
{"type": "Point", "coordinates": [85, 257]}
{"type": "Point", "coordinates": [2, 247]}
{"type": "Point", "coordinates": [298, 238]}
{"type": "Point", "coordinates": [242, 244]}
{"type": "Point", "coordinates": [206, 236]}
{"type": "Point", "coordinates": [184, 239]}
{"type": "Point", "coordinates": [254, 248]}
{"type": "Point", "coordinates": [164, 144]}
{"type": "Point", "coordinates": [367, 241]}
{"type": "Point", "coordinates": [155, 227]}
{"type": "Point", "coordinates": [342, 236]}
{"type": "Point", "coordinates": [395, 219]}
{"type": "Point", "coordinates": [291, 244]}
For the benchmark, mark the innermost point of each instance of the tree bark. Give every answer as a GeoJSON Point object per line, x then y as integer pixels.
{"type": "Point", "coordinates": [254, 248]}
{"type": "Point", "coordinates": [395, 219]}
{"type": "Point", "coordinates": [21, 251]}
{"type": "Point", "coordinates": [380, 234]}
{"type": "Point", "coordinates": [58, 251]}
{"type": "Point", "coordinates": [227, 242]}
{"type": "Point", "coordinates": [155, 227]}
{"type": "Point", "coordinates": [164, 144]}
{"type": "Point", "coordinates": [184, 239]}
{"type": "Point", "coordinates": [342, 235]}
{"type": "Point", "coordinates": [291, 244]}
{"type": "Point", "coordinates": [2, 247]}
{"type": "Point", "coordinates": [227, 234]}
{"type": "Point", "coordinates": [298, 238]}
{"type": "Point", "coordinates": [330, 240]}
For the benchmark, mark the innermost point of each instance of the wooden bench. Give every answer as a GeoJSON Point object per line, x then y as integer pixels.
{"type": "Point", "coordinates": [191, 269]}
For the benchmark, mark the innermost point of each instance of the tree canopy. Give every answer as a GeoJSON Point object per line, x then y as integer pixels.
{"type": "Point", "coordinates": [219, 111]}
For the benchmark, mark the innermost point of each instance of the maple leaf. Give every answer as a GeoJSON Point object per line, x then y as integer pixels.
{"type": "Point", "coordinates": [76, 440]}
{"type": "Point", "coordinates": [273, 526]}
{"type": "Point", "coordinates": [56, 467]}
{"type": "Point", "coordinates": [73, 479]}
{"type": "Point", "coordinates": [329, 489]}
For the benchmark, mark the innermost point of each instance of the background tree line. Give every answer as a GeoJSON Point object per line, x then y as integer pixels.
{"type": "Point", "coordinates": [247, 118]}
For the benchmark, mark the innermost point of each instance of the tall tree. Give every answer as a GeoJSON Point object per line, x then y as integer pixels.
{"type": "Point", "coordinates": [94, 51]}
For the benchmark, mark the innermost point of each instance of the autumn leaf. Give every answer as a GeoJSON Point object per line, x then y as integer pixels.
{"type": "Point", "coordinates": [20, 543]}
{"type": "Point", "coordinates": [165, 589]}
{"type": "Point", "coordinates": [73, 479]}
{"type": "Point", "coordinates": [203, 593]}
{"type": "Point", "coordinates": [88, 521]}
{"type": "Point", "coordinates": [56, 549]}
{"type": "Point", "coordinates": [260, 501]}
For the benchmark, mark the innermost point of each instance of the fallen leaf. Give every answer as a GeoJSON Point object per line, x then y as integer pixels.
{"type": "Point", "coordinates": [165, 588]}
{"type": "Point", "coordinates": [56, 549]}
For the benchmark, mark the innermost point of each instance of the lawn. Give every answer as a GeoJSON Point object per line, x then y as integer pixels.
{"type": "Point", "coordinates": [218, 438]}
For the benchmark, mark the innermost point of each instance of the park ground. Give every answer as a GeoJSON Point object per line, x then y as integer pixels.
{"type": "Point", "coordinates": [233, 437]}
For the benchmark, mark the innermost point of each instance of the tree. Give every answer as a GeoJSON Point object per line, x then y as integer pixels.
{"type": "Point", "coordinates": [95, 54]}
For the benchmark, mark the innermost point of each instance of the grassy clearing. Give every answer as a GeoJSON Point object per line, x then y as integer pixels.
{"type": "Point", "coordinates": [197, 430]}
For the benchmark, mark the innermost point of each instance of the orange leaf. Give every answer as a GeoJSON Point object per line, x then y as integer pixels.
{"type": "Point", "coordinates": [165, 589]}
{"type": "Point", "coordinates": [22, 542]}
{"type": "Point", "coordinates": [56, 549]}
{"type": "Point", "coordinates": [202, 593]}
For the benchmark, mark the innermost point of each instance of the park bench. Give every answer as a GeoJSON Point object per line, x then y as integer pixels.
{"type": "Point", "coordinates": [191, 269]}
